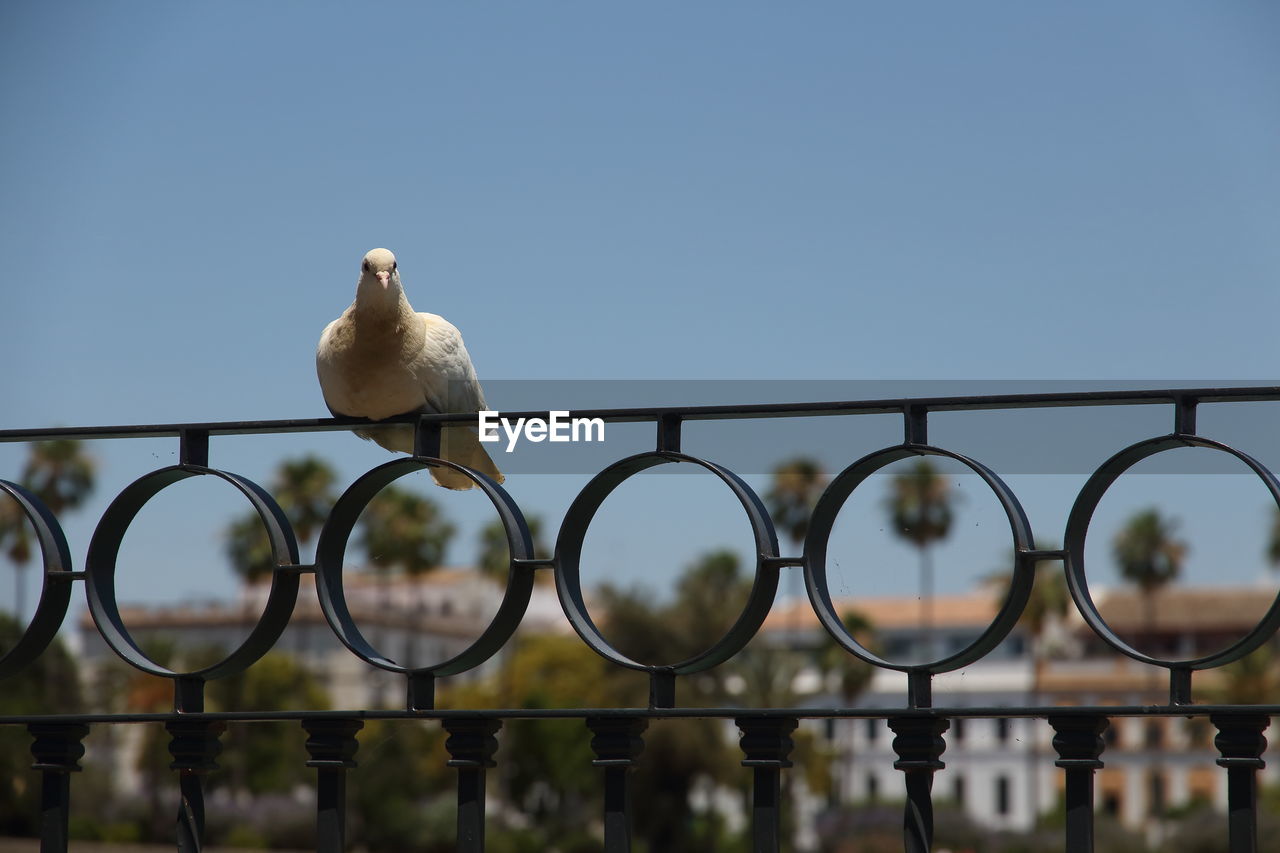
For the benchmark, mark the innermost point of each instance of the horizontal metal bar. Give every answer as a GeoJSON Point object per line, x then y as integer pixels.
{"type": "Point", "coordinates": [718, 412]}
{"type": "Point", "coordinates": [1035, 712]}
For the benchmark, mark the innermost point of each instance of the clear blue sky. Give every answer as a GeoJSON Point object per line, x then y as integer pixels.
{"type": "Point", "coordinates": [1086, 191]}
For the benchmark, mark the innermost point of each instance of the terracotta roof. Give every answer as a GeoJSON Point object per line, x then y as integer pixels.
{"type": "Point", "coordinates": [973, 609]}
{"type": "Point", "coordinates": [1183, 609]}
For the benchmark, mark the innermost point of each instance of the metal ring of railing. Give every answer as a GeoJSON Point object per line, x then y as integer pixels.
{"type": "Point", "coordinates": [332, 545]}
{"type": "Point", "coordinates": [1078, 527]}
{"type": "Point", "coordinates": [55, 589]}
{"type": "Point", "coordinates": [568, 558]}
{"type": "Point", "coordinates": [823, 519]}
{"type": "Point", "coordinates": [104, 549]}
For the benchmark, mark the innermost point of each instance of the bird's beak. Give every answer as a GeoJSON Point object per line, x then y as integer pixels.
{"type": "Point", "coordinates": [385, 277]}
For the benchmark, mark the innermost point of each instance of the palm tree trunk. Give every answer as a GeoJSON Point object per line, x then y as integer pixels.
{"type": "Point", "coordinates": [926, 603]}
{"type": "Point", "coordinates": [19, 591]}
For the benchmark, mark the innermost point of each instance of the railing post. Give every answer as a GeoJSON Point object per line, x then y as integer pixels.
{"type": "Point", "coordinates": [766, 743]}
{"type": "Point", "coordinates": [1079, 743]}
{"type": "Point", "coordinates": [332, 746]}
{"type": "Point", "coordinates": [471, 745]}
{"type": "Point", "coordinates": [919, 745]}
{"type": "Point", "coordinates": [617, 742]}
{"type": "Point", "coordinates": [57, 749]}
{"type": "Point", "coordinates": [194, 746]}
{"type": "Point", "coordinates": [1241, 742]}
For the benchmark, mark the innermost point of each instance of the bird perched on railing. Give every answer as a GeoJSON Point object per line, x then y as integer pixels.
{"type": "Point", "coordinates": [381, 358]}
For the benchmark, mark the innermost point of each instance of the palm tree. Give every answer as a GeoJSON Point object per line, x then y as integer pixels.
{"type": "Point", "coordinates": [304, 489]}
{"type": "Point", "coordinates": [1149, 557]}
{"type": "Point", "coordinates": [1273, 544]}
{"type": "Point", "coordinates": [248, 548]}
{"type": "Point", "coordinates": [851, 675]}
{"type": "Point", "coordinates": [402, 529]}
{"type": "Point", "coordinates": [794, 490]}
{"type": "Point", "coordinates": [1048, 605]}
{"type": "Point", "coordinates": [495, 557]}
{"type": "Point", "coordinates": [60, 474]}
{"type": "Point", "coordinates": [919, 505]}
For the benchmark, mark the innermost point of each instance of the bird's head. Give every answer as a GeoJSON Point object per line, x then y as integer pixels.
{"type": "Point", "coordinates": [378, 274]}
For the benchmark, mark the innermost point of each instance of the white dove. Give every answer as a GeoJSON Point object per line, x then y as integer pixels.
{"type": "Point", "coordinates": [381, 358]}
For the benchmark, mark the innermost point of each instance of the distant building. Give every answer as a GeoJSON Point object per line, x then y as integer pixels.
{"type": "Point", "coordinates": [413, 621]}
{"type": "Point", "coordinates": [1001, 771]}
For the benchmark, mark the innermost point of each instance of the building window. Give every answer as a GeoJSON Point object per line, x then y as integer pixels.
{"type": "Point", "coordinates": [957, 792]}
{"type": "Point", "coordinates": [873, 730]}
{"type": "Point", "coordinates": [1153, 734]}
{"type": "Point", "coordinates": [1002, 729]}
{"type": "Point", "coordinates": [873, 787]}
{"type": "Point", "coordinates": [1002, 795]}
{"type": "Point", "coordinates": [957, 729]}
{"type": "Point", "coordinates": [1155, 792]}
{"type": "Point", "coordinates": [1199, 732]}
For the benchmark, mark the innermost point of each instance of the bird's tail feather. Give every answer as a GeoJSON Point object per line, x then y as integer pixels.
{"type": "Point", "coordinates": [461, 445]}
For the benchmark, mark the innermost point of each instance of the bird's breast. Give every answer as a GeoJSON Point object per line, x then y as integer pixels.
{"type": "Point", "coordinates": [368, 376]}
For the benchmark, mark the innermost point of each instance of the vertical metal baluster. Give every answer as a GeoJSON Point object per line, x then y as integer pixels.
{"type": "Point", "coordinates": [617, 743]}
{"type": "Point", "coordinates": [57, 750]}
{"type": "Point", "coordinates": [1241, 742]}
{"type": "Point", "coordinates": [919, 745]}
{"type": "Point", "coordinates": [194, 746]}
{"type": "Point", "coordinates": [766, 743]}
{"type": "Point", "coordinates": [471, 745]}
{"type": "Point", "coordinates": [1079, 743]}
{"type": "Point", "coordinates": [332, 746]}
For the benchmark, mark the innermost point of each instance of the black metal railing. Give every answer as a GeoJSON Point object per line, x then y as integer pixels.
{"type": "Point", "coordinates": [616, 734]}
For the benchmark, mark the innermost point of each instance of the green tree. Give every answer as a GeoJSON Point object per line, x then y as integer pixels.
{"type": "Point", "coordinates": [1149, 556]}
{"type": "Point", "coordinates": [678, 753]}
{"type": "Point", "coordinates": [920, 511]}
{"type": "Point", "coordinates": [544, 766]}
{"type": "Point", "coordinates": [402, 771]}
{"type": "Point", "coordinates": [849, 675]}
{"type": "Point", "coordinates": [60, 474]}
{"type": "Point", "coordinates": [303, 487]}
{"type": "Point", "coordinates": [266, 757]}
{"type": "Point", "coordinates": [50, 685]}
{"type": "Point", "coordinates": [794, 488]}
{"type": "Point", "coordinates": [495, 557]}
{"type": "Point", "coordinates": [401, 529]}
{"type": "Point", "coordinates": [1252, 680]}
{"type": "Point", "coordinates": [1048, 605]}
{"type": "Point", "coordinates": [1273, 542]}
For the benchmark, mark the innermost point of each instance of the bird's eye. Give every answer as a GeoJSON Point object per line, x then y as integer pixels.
{"type": "Point", "coordinates": [393, 266]}
{"type": "Point", "coordinates": [365, 266]}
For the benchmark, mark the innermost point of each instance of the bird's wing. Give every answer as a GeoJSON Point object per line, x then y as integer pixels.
{"type": "Point", "coordinates": [444, 367]}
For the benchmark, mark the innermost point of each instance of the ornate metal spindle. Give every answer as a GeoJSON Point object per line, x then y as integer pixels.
{"type": "Point", "coordinates": [471, 745]}
{"type": "Point", "coordinates": [766, 742]}
{"type": "Point", "coordinates": [1241, 742]}
{"type": "Point", "coordinates": [1079, 743]}
{"type": "Point", "coordinates": [332, 746]}
{"type": "Point", "coordinates": [57, 749]}
{"type": "Point", "coordinates": [919, 745]}
{"type": "Point", "coordinates": [194, 746]}
{"type": "Point", "coordinates": [617, 743]}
